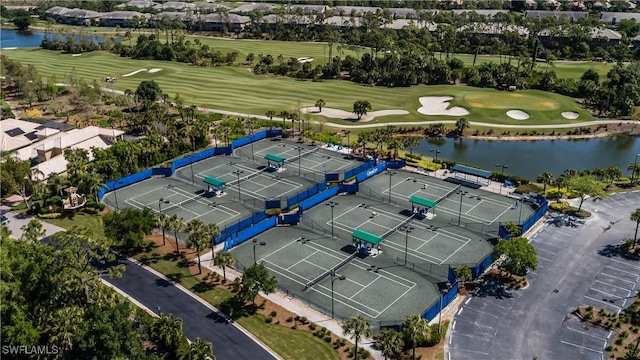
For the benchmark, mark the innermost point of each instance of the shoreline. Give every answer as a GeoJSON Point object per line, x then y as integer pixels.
{"type": "Point", "coordinates": [549, 137]}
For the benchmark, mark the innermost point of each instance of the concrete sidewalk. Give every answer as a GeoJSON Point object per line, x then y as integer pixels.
{"type": "Point", "coordinates": [295, 306]}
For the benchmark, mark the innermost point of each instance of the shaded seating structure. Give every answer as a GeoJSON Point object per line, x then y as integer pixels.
{"type": "Point", "coordinates": [428, 204]}
{"type": "Point", "coordinates": [361, 236]}
{"type": "Point", "coordinates": [274, 161]}
{"type": "Point", "coordinates": [214, 184]}
{"type": "Point", "coordinates": [471, 177]}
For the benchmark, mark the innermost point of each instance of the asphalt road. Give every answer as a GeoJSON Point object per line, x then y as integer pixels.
{"type": "Point", "coordinates": [578, 265]}
{"type": "Point", "coordinates": [198, 320]}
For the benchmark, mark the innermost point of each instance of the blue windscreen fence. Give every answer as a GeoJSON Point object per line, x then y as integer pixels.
{"type": "Point", "coordinates": [288, 219]}
{"type": "Point", "coordinates": [371, 172]}
{"type": "Point", "coordinates": [396, 164]}
{"type": "Point", "coordinates": [233, 229]}
{"type": "Point", "coordinates": [331, 177]}
{"type": "Point", "coordinates": [441, 303]}
{"type": "Point", "coordinates": [248, 233]}
{"type": "Point", "coordinates": [161, 172]}
{"type": "Point", "coordinates": [529, 222]}
{"type": "Point", "coordinates": [272, 204]}
{"type": "Point", "coordinates": [355, 171]}
{"type": "Point", "coordinates": [297, 198]}
{"type": "Point", "coordinates": [318, 198]}
{"type": "Point", "coordinates": [348, 188]}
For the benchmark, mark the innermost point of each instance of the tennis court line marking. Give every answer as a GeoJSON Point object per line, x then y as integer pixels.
{"type": "Point", "coordinates": [305, 258]}
{"type": "Point", "coordinates": [424, 242]}
{"type": "Point", "coordinates": [222, 208]}
{"type": "Point", "coordinates": [315, 288]}
{"type": "Point", "coordinates": [364, 287]}
{"type": "Point", "coordinates": [280, 248]}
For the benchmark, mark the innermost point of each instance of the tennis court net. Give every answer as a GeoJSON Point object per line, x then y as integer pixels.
{"type": "Point", "coordinates": [247, 177]}
{"type": "Point", "coordinates": [171, 207]}
{"type": "Point", "coordinates": [315, 150]}
{"type": "Point", "coordinates": [449, 194]}
{"type": "Point", "coordinates": [399, 227]}
{"type": "Point", "coordinates": [330, 271]}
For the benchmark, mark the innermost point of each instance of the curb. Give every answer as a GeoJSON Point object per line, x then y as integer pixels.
{"type": "Point", "coordinates": [210, 307]}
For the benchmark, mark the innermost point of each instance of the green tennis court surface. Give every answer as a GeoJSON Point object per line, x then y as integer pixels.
{"type": "Point", "coordinates": [306, 158]}
{"type": "Point", "coordinates": [376, 288]}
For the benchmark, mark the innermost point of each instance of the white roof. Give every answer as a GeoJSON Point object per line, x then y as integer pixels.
{"type": "Point", "coordinates": [398, 24]}
{"type": "Point", "coordinates": [16, 134]}
{"type": "Point", "coordinates": [141, 4]}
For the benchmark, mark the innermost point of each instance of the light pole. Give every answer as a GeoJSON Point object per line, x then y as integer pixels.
{"type": "Point", "coordinates": [256, 243]}
{"type": "Point", "coordinates": [251, 121]}
{"type": "Point", "coordinates": [332, 204]}
{"type": "Point", "coordinates": [390, 173]}
{"type": "Point", "coordinates": [115, 193]}
{"type": "Point", "coordinates": [462, 193]}
{"type": "Point", "coordinates": [160, 202]}
{"type": "Point", "coordinates": [238, 172]}
{"type": "Point", "coordinates": [334, 277]}
{"type": "Point", "coordinates": [437, 152]}
{"type": "Point", "coordinates": [503, 166]}
{"type": "Point", "coordinates": [299, 157]}
{"type": "Point", "coordinates": [521, 206]}
{"type": "Point", "coordinates": [407, 230]}
{"type": "Point", "coordinates": [193, 179]}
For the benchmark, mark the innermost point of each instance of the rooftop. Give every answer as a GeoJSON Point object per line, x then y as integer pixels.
{"type": "Point", "coordinates": [253, 7]}
{"type": "Point", "coordinates": [140, 4]}
{"type": "Point", "coordinates": [16, 134]}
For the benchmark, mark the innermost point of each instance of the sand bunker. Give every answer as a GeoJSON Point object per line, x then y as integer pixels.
{"type": "Point", "coordinates": [439, 105]}
{"type": "Point", "coordinates": [305, 59]}
{"type": "Point", "coordinates": [154, 70]}
{"type": "Point", "coordinates": [9, 48]}
{"type": "Point", "coordinates": [134, 72]}
{"type": "Point", "coordinates": [345, 115]}
{"type": "Point", "coordinates": [517, 114]}
{"type": "Point", "coordinates": [570, 115]}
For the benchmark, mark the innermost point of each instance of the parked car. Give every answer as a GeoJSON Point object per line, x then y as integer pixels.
{"type": "Point", "coordinates": [4, 220]}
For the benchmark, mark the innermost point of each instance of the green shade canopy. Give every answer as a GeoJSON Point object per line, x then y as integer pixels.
{"type": "Point", "coordinates": [214, 181]}
{"type": "Point", "coordinates": [366, 237]}
{"type": "Point", "coordinates": [274, 158]}
{"type": "Point", "coordinates": [471, 171]}
{"type": "Point", "coordinates": [422, 201]}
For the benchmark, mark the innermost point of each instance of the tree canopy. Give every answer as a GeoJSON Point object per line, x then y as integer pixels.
{"type": "Point", "coordinates": [521, 254]}
{"type": "Point", "coordinates": [586, 187]}
{"type": "Point", "coordinates": [256, 278]}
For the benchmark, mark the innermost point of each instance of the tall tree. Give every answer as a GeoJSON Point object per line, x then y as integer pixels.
{"type": "Point", "coordinates": [357, 328]}
{"type": "Point", "coordinates": [224, 259]}
{"type": "Point", "coordinates": [167, 330]}
{"type": "Point", "coordinates": [126, 228]}
{"type": "Point", "coordinates": [390, 343]}
{"type": "Point", "coordinates": [177, 224]}
{"type": "Point", "coordinates": [32, 231]}
{"type": "Point", "coordinates": [461, 125]}
{"type": "Point", "coordinates": [411, 142]}
{"type": "Point", "coordinates": [197, 350]}
{"type": "Point", "coordinates": [200, 237]}
{"type": "Point", "coordinates": [635, 216]}
{"type": "Point", "coordinates": [361, 107]}
{"type": "Point", "coordinates": [546, 178]}
{"type": "Point", "coordinates": [255, 278]}
{"type": "Point", "coordinates": [522, 255]}
{"type": "Point", "coordinates": [463, 273]}
{"type": "Point", "coordinates": [586, 187]}
{"type": "Point", "coordinates": [161, 221]}
{"type": "Point", "coordinates": [415, 329]}
{"type": "Point", "coordinates": [320, 104]}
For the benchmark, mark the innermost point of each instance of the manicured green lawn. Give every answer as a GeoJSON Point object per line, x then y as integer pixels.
{"type": "Point", "coordinates": [92, 222]}
{"type": "Point", "coordinates": [288, 343]}
{"type": "Point", "coordinates": [237, 89]}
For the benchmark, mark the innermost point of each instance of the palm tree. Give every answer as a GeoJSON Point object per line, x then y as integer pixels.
{"type": "Point", "coordinates": [270, 114]}
{"type": "Point", "coordinates": [162, 222]}
{"type": "Point", "coordinates": [546, 178]}
{"type": "Point", "coordinates": [320, 104]}
{"type": "Point", "coordinates": [224, 259]}
{"type": "Point", "coordinates": [415, 329]}
{"type": "Point", "coordinates": [635, 169]}
{"type": "Point", "coordinates": [197, 238]}
{"type": "Point", "coordinates": [389, 342]}
{"type": "Point", "coordinates": [356, 327]}
{"type": "Point", "coordinates": [635, 216]}
{"type": "Point", "coordinates": [284, 115]}
{"type": "Point", "coordinates": [167, 330]}
{"type": "Point", "coordinates": [92, 182]}
{"type": "Point", "coordinates": [461, 125]}
{"type": "Point", "coordinates": [197, 350]}
{"type": "Point", "coordinates": [411, 142]}
{"type": "Point", "coordinates": [177, 224]}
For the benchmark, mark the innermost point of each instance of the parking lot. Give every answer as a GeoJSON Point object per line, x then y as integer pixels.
{"type": "Point", "coordinates": [578, 266]}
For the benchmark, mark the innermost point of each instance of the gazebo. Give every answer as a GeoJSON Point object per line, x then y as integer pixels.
{"type": "Point", "coordinates": [73, 200]}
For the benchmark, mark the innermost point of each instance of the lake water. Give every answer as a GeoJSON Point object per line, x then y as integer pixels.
{"type": "Point", "coordinates": [531, 158]}
{"type": "Point", "coordinates": [21, 39]}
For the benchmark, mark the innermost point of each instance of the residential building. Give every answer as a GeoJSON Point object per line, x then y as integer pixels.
{"type": "Point", "coordinates": [573, 16]}
{"type": "Point", "coordinates": [140, 4]}
{"type": "Point", "coordinates": [247, 8]}
{"type": "Point", "coordinates": [614, 18]}
{"type": "Point", "coordinates": [307, 9]}
{"type": "Point", "coordinates": [124, 19]}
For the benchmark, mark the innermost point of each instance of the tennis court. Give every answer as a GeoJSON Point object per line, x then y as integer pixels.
{"type": "Point", "coordinates": [188, 201]}
{"type": "Point", "coordinates": [308, 158]}
{"type": "Point", "coordinates": [454, 202]}
{"type": "Point", "coordinates": [245, 180]}
{"type": "Point", "coordinates": [375, 289]}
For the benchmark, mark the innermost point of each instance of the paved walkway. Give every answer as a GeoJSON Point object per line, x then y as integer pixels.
{"type": "Point", "coordinates": [295, 306]}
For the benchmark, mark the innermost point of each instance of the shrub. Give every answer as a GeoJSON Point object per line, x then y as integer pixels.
{"type": "Point", "coordinates": [624, 334]}
{"type": "Point", "coordinates": [312, 326]}
{"type": "Point", "coordinates": [50, 216]}
{"type": "Point", "coordinates": [273, 313]}
{"type": "Point", "coordinates": [327, 339]}
{"type": "Point", "coordinates": [619, 341]}
{"type": "Point", "coordinates": [268, 320]}
{"type": "Point", "coordinates": [289, 319]}
{"type": "Point", "coordinates": [304, 320]}
{"type": "Point", "coordinates": [609, 348]}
